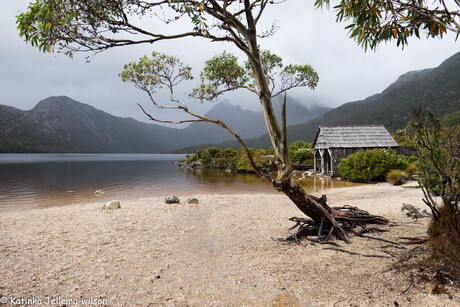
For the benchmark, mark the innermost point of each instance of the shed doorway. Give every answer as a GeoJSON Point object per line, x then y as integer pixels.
{"type": "Point", "coordinates": [317, 161]}
{"type": "Point", "coordinates": [327, 162]}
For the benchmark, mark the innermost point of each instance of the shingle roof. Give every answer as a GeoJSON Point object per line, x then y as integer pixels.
{"type": "Point", "coordinates": [353, 137]}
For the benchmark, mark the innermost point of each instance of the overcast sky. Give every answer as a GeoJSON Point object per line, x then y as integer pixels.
{"type": "Point", "coordinates": [306, 36]}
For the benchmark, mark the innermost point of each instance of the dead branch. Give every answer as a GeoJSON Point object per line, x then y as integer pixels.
{"type": "Point", "coordinates": [356, 254]}
{"type": "Point", "coordinates": [382, 240]}
{"type": "Point", "coordinates": [411, 241]}
{"type": "Point", "coordinates": [410, 285]}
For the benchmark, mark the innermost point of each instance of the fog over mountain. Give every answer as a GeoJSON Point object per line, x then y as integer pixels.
{"type": "Point", "coordinates": [436, 89]}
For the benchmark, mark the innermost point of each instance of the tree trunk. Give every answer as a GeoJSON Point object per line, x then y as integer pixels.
{"type": "Point", "coordinates": [318, 211]}
{"type": "Point", "coordinates": [315, 208]}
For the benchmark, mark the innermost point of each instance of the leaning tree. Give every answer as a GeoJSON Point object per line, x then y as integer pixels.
{"type": "Point", "coordinates": [97, 25]}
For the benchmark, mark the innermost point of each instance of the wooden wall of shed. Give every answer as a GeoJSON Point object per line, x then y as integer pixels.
{"type": "Point", "coordinates": [406, 151]}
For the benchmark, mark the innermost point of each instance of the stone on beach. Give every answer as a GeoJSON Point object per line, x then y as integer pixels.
{"type": "Point", "coordinates": [99, 192]}
{"type": "Point", "coordinates": [171, 199]}
{"type": "Point", "coordinates": [191, 200]}
{"type": "Point", "coordinates": [114, 204]}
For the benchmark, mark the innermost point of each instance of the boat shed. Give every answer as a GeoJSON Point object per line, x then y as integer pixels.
{"type": "Point", "coordinates": [333, 143]}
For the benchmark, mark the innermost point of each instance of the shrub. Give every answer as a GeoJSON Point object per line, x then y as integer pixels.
{"type": "Point", "coordinates": [192, 158]}
{"type": "Point", "coordinates": [371, 165]}
{"type": "Point", "coordinates": [206, 159]}
{"type": "Point", "coordinates": [221, 163]}
{"type": "Point", "coordinates": [411, 170]}
{"type": "Point", "coordinates": [300, 151]}
{"type": "Point", "coordinates": [199, 153]}
{"type": "Point", "coordinates": [229, 153]}
{"type": "Point", "coordinates": [261, 158]}
{"type": "Point", "coordinates": [396, 177]}
{"type": "Point", "coordinates": [235, 160]}
{"type": "Point", "coordinates": [428, 174]}
{"type": "Point", "coordinates": [444, 236]}
{"type": "Point", "coordinates": [214, 152]}
{"type": "Point", "coordinates": [438, 151]}
{"type": "Point", "coordinates": [413, 212]}
{"type": "Point", "coordinates": [302, 155]}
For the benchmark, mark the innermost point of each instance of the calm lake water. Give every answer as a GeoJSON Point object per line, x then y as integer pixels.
{"type": "Point", "coordinates": [43, 180]}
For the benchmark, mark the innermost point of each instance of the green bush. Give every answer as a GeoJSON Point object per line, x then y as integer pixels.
{"type": "Point", "coordinates": [221, 163]}
{"type": "Point", "coordinates": [371, 165]}
{"type": "Point", "coordinates": [199, 153]}
{"type": "Point", "coordinates": [229, 153]}
{"type": "Point", "coordinates": [302, 155]}
{"type": "Point", "coordinates": [214, 152]}
{"type": "Point", "coordinates": [301, 152]}
{"type": "Point", "coordinates": [431, 178]}
{"type": "Point", "coordinates": [229, 158]}
{"type": "Point", "coordinates": [261, 157]}
{"type": "Point", "coordinates": [206, 159]}
{"type": "Point", "coordinates": [413, 212]}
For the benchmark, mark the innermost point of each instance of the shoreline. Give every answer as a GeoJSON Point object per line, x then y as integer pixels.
{"type": "Point", "coordinates": [16, 202]}
{"type": "Point", "coordinates": [217, 253]}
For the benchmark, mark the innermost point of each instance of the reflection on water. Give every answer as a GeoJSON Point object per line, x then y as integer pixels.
{"type": "Point", "coordinates": [318, 184]}
{"type": "Point", "coordinates": [218, 181]}
{"type": "Point", "coordinates": [226, 180]}
{"type": "Point", "coordinates": [39, 181]}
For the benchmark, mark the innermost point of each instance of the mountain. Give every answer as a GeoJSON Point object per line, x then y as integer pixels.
{"type": "Point", "coordinates": [437, 89]}
{"type": "Point", "coordinates": [250, 124]}
{"type": "Point", "coordinates": [297, 112]}
{"type": "Point", "coordinates": [61, 124]}
{"type": "Point", "coordinates": [247, 124]}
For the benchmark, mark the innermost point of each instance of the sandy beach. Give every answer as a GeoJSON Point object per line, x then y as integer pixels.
{"type": "Point", "coordinates": [217, 253]}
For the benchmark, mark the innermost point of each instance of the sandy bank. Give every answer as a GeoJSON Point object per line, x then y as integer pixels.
{"type": "Point", "coordinates": [218, 253]}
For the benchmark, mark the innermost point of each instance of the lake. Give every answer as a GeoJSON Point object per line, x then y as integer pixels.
{"type": "Point", "coordinates": [43, 180]}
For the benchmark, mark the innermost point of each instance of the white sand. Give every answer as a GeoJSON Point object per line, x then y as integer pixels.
{"type": "Point", "coordinates": [216, 253]}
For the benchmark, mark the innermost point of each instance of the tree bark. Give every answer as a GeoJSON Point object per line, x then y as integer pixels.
{"type": "Point", "coordinates": [315, 208]}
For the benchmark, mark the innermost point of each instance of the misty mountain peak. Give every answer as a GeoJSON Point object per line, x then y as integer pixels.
{"type": "Point", "coordinates": [54, 101]}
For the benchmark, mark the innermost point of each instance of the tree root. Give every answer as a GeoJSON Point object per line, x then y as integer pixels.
{"type": "Point", "coordinates": [347, 217]}
{"type": "Point", "coordinates": [410, 240]}
{"type": "Point", "coordinates": [353, 253]}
